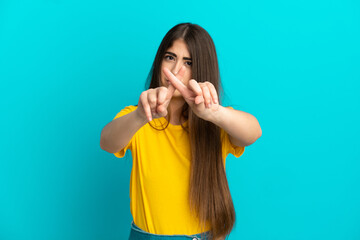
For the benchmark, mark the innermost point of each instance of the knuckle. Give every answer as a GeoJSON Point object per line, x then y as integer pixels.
{"type": "Point", "coordinates": [152, 100]}
{"type": "Point", "coordinates": [143, 94]}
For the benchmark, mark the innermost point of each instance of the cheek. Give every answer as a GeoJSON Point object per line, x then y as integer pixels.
{"type": "Point", "coordinates": [166, 64]}
{"type": "Point", "coordinates": [161, 81]}
{"type": "Point", "coordinates": [188, 76]}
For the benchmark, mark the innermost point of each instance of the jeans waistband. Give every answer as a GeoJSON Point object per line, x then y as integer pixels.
{"type": "Point", "coordinates": [137, 233]}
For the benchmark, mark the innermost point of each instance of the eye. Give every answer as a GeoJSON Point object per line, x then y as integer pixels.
{"type": "Point", "coordinates": [169, 57]}
{"type": "Point", "coordinates": [188, 63]}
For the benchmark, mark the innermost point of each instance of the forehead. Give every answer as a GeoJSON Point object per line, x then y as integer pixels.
{"type": "Point", "coordinates": [179, 47]}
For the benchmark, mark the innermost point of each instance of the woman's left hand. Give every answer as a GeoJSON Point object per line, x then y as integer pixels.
{"type": "Point", "coordinates": [201, 97]}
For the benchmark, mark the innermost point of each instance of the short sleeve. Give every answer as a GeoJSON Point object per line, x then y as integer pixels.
{"type": "Point", "coordinates": [123, 112]}
{"type": "Point", "coordinates": [228, 147]}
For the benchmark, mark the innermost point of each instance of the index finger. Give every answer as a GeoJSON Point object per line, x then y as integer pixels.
{"type": "Point", "coordinates": [170, 92]}
{"type": "Point", "coordinates": [177, 83]}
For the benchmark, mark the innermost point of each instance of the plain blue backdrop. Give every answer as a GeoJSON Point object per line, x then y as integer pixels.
{"type": "Point", "coordinates": [68, 67]}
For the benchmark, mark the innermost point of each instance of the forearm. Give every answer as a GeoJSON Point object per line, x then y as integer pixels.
{"type": "Point", "coordinates": [243, 128]}
{"type": "Point", "coordinates": [117, 133]}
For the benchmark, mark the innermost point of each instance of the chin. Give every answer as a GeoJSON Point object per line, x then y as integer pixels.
{"type": "Point", "coordinates": [177, 95]}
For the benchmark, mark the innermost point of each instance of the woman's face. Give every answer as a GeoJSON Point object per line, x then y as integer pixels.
{"type": "Point", "coordinates": [175, 57]}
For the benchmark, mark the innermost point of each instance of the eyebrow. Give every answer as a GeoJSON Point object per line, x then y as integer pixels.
{"type": "Point", "coordinates": [173, 54]}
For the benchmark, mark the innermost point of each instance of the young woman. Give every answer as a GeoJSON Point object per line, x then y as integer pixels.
{"type": "Point", "coordinates": [179, 136]}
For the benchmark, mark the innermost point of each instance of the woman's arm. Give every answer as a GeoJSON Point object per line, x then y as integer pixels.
{"type": "Point", "coordinates": [242, 127]}
{"type": "Point", "coordinates": [117, 133]}
{"type": "Point", "coordinates": [152, 104]}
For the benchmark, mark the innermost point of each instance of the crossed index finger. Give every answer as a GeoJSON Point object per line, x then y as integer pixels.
{"type": "Point", "coordinates": [171, 90]}
{"type": "Point", "coordinates": [177, 84]}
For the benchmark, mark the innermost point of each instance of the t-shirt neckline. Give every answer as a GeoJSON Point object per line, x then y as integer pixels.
{"type": "Point", "coordinates": [164, 122]}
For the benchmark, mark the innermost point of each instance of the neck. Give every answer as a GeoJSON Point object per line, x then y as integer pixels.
{"type": "Point", "coordinates": [175, 106]}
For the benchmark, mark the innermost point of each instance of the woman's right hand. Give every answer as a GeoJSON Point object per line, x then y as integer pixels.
{"type": "Point", "coordinates": [153, 102]}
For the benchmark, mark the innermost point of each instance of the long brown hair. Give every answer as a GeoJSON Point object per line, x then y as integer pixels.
{"type": "Point", "coordinates": [209, 194]}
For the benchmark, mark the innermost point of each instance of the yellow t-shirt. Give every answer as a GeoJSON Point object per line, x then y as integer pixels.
{"type": "Point", "coordinates": [160, 176]}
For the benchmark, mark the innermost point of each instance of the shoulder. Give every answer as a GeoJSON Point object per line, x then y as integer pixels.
{"type": "Point", "coordinates": [130, 108]}
{"type": "Point", "coordinates": [126, 110]}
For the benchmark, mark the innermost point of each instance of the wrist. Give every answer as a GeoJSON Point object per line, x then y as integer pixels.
{"type": "Point", "coordinates": [216, 116]}
{"type": "Point", "coordinates": [141, 118]}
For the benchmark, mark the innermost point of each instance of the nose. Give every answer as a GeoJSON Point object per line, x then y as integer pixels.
{"type": "Point", "coordinates": [176, 67]}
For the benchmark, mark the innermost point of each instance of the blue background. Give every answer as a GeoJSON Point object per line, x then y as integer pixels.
{"type": "Point", "coordinates": [68, 67]}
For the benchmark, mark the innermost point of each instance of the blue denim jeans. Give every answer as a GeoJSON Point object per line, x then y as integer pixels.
{"type": "Point", "coordinates": [138, 234]}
